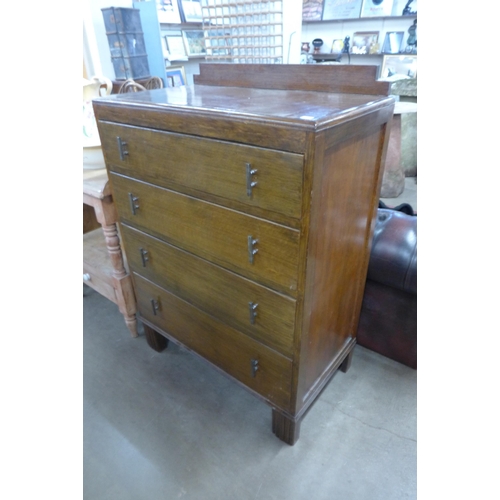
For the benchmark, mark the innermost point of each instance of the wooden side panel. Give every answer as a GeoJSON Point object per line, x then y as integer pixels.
{"type": "Point", "coordinates": [89, 219]}
{"type": "Point", "coordinates": [345, 193]}
{"type": "Point", "coordinates": [97, 264]}
{"type": "Point", "coordinates": [350, 79]}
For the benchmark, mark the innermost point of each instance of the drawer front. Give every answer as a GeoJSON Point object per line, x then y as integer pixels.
{"type": "Point", "coordinates": [99, 282]}
{"type": "Point", "coordinates": [220, 344]}
{"type": "Point", "coordinates": [263, 314]}
{"type": "Point", "coordinates": [209, 166]}
{"type": "Point", "coordinates": [258, 249]}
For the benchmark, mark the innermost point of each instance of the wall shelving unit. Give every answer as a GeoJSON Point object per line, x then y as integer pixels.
{"type": "Point", "coordinates": [340, 28]}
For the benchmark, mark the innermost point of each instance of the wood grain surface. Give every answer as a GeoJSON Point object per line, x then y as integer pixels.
{"type": "Point", "coordinates": [215, 233]}
{"type": "Point", "coordinates": [208, 166]}
{"type": "Point", "coordinates": [213, 289]}
{"type": "Point", "coordinates": [218, 343]}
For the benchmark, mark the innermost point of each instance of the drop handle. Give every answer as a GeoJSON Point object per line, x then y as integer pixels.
{"type": "Point", "coordinates": [134, 206]}
{"type": "Point", "coordinates": [255, 367]}
{"type": "Point", "coordinates": [252, 308]}
{"type": "Point", "coordinates": [251, 241]}
{"type": "Point", "coordinates": [121, 148]}
{"type": "Point", "coordinates": [251, 183]}
{"type": "Point", "coordinates": [144, 256]}
{"type": "Point", "coordinates": [155, 306]}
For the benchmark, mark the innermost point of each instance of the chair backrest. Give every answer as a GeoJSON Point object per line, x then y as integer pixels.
{"type": "Point", "coordinates": [131, 86]}
{"type": "Point", "coordinates": [155, 82]}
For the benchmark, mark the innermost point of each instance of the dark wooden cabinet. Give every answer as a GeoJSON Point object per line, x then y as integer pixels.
{"type": "Point", "coordinates": [247, 204]}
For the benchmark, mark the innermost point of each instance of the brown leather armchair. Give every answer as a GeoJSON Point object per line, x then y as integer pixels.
{"type": "Point", "coordinates": [388, 321]}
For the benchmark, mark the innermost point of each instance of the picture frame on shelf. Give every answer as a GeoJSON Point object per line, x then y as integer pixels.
{"type": "Point", "coordinates": [175, 46]}
{"type": "Point", "coordinates": [194, 41]}
{"type": "Point", "coordinates": [337, 46]}
{"type": "Point", "coordinates": [376, 8]}
{"type": "Point", "coordinates": [168, 12]}
{"type": "Point", "coordinates": [340, 9]}
{"type": "Point", "coordinates": [312, 10]}
{"type": "Point", "coordinates": [191, 11]}
{"type": "Point", "coordinates": [393, 42]}
{"type": "Point", "coordinates": [364, 42]}
{"type": "Point", "coordinates": [398, 67]}
{"type": "Point", "coordinates": [175, 76]}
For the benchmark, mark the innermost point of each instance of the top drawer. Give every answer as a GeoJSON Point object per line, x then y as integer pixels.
{"type": "Point", "coordinates": [268, 179]}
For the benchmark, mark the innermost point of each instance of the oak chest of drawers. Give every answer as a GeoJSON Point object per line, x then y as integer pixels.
{"type": "Point", "coordinates": [246, 205]}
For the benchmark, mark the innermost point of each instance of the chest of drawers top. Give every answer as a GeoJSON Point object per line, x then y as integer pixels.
{"type": "Point", "coordinates": [270, 118]}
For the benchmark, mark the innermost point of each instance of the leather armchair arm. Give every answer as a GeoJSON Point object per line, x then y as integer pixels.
{"type": "Point", "coordinates": [393, 258]}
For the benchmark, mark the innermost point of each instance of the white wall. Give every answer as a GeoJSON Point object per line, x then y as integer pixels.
{"type": "Point", "coordinates": [292, 29]}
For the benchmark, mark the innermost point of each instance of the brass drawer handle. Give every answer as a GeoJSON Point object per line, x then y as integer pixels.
{"type": "Point", "coordinates": [251, 248]}
{"type": "Point", "coordinates": [121, 148]}
{"type": "Point", "coordinates": [250, 182]}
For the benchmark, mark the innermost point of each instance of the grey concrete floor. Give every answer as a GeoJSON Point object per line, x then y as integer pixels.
{"type": "Point", "coordinates": [168, 426]}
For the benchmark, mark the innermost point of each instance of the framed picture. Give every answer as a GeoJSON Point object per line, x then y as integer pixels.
{"type": "Point", "coordinates": [337, 46]}
{"type": "Point", "coordinates": [312, 10]}
{"type": "Point", "coordinates": [376, 8]}
{"type": "Point", "coordinates": [191, 10]}
{"type": "Point", "coordinates": [340, 9]}
{"type": "Point", "coordinates": [398, 67]}
{"type": "Point", "coordinates": [175, 46]}
{"type": "Point", "coordinates": [168, 11]}
{"type": "Point", "coordinates": [364, 42]}
{"type": "Point", "coordinates": [392, 42]}
{"type": "Point", "coordinates": [194, 40]}
{"type": "Point", "coordinates": [175, 76]}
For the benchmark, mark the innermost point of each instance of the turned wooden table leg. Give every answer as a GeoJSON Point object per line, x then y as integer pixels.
{"type": "Point", "coordinates": [131, 322]}
{"type": "Point", "coordinates": [155, 340]}
{"type": "Point", "coordinates": [286, 428]}
{"type": "Point", "coordinates": [123, 282]}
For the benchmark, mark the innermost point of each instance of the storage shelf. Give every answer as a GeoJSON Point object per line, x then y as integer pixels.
{"type": "Point", "coordinates": [179, 26]}
{"type": "Point", "coordinates": [184, 59]}
{"type": "Point", "coordinates": [354, 19]}
{"type": "Point", "coordinates": [335, 56]}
